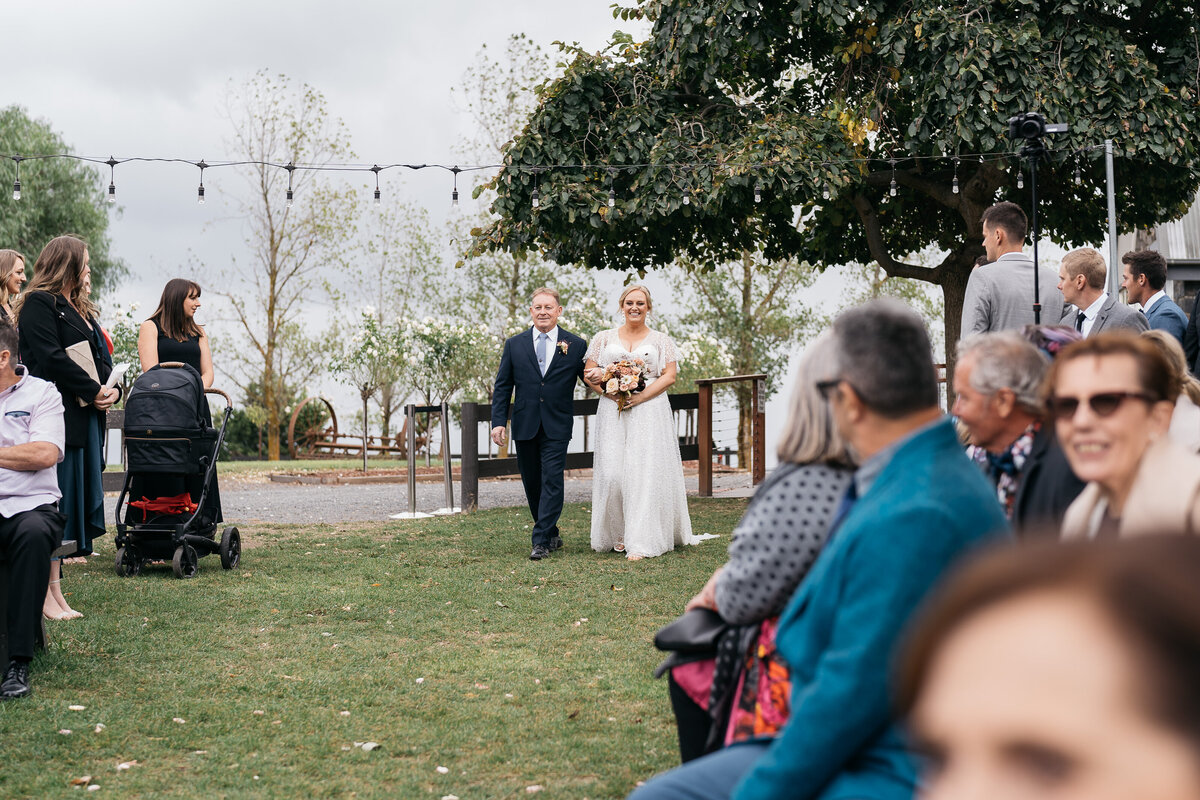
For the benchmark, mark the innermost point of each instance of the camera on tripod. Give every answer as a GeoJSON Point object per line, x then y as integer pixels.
{"type": "Point", "coordinates": [1031, 126]}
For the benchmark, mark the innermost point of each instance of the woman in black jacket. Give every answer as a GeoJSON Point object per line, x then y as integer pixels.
{"type": "Point", "coordinates": [55, 314]}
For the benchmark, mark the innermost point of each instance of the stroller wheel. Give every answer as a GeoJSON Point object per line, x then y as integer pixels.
{"type": "Point", "coordinates": [128, 563]}
{"type": "Point", "coordinates": [231, 547]}
{"type": "Point", "coordinates": [184, 562]}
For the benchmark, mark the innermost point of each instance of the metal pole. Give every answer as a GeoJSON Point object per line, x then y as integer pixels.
{"type": "Point", "coordinates": [447, 474]}
{"type": "Point", "coordinates": [1035, 154]}
{"type": "Point", "coordinates": [1114, 277]}
{"type": "Point", "coordinates": [411, 414]}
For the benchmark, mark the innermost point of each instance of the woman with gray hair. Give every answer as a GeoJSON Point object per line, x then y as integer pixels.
{"type": "Point", "coordinates": [773, 547]}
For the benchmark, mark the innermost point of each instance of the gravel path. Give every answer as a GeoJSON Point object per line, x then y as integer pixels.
{"type": "Point", "coordinates": [245, 502]}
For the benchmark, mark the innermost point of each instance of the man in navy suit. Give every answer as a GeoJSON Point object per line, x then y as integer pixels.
{"type": "Point", "coordinates": [542, 364]}
{"type": "Point", "coordinates": [1144, 274]}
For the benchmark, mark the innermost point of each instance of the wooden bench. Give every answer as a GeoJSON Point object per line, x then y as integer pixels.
{"type": "Point", "coordinates": [65, 550]}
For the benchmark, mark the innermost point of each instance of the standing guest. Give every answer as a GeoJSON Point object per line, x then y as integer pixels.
{"type": "Point", "coordinates": [542, 365]}
{"type": "Point", "coordinates": [639, 503]}
{"type": "Point", "coordinates": [1112, 398]}
{"type": "Point", "coordinates": [773, 548]}
{"type": "Point", "coordinates": [1081, 276]}
{"type": "Point", "coordinates": [1143, 276]}
{"type": "Point", "coordinates": [55, 315]}
{"type": "Point", "coordinates": [12, 275]}
{"type": "Point", "coordinates": [1191, 338]}
{"type": "Point", "coordinates": [1060, 672]}
{"type": "Point", "coordinates": [914, 507]}
{"type": "Point", "coordinates": [172, 333]}
{"type": "Point", "coordinates": [998, 380]}
{"type": "Point", "coordinates": [1185, 422]}
{"type": "Point", "coordinates": [31, 443]}
{"type": "Point", "coordinates": [1000, 293]}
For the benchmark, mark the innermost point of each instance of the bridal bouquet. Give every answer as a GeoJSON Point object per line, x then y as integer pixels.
{"type": "Point", "coordinates": [622, 378]}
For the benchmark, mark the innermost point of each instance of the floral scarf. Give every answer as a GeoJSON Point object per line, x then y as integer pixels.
{"type": "Point", "coordinates": [1004, 469]}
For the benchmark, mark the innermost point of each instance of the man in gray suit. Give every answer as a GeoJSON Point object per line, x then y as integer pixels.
{"type": "Point", "coordinates": [1000, 293]}
{"type": "Point", "coordinates": [1144, 274]}
{"type": "Point", "coordinates": [1081, 279]}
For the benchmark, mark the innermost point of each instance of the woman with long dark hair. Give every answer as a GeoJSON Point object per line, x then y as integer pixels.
{"type": "Point", "coordinates": [61, 341]}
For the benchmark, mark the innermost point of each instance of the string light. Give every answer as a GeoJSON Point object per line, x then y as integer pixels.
{"type": "Point", "coordinates": [826, 189]}
{"type": "Point", "coordinates": [1020, 178]}
{"type": "Point", "coordinates": [1078, 172]}
{"type": "Point", "coordinates": [200, 191]}
{"type": "Point", "coordinates": [954, 183]}
{"type": "Point", "coordinates": [757, 191]}
{"type": "Point", "coordinates": [892, 188]}
{"type": "Point", "coordinates": [17, 182]}
{"type": "Point", "coordinates": [612, 192]}
{"type": "Point", "coordinates": [290, 169]}
{"type": "Point", "coordinates": [375, 168]}
{"type": "Point", "coordinates": [112, 179]}
{"type": "Point", "coordinates": [535, 199]}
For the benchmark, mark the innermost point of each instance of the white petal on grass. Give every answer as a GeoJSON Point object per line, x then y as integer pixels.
{"type": "Point", "coordinates": [420, 680]}
{"type": "Point", "coordinates": [344, 713]}
{"type": "Point", "coordinates": [443, 770]}
{"type": "Point", "coordinates": [65, 731]}
{"type": "Point", "coordinates": [99, 727]}
{"type": "Point", "coordinates": [76, 708]}
{"type": "Point", "coordinates": [179, 720]}
{"type": "Point", "coordinates": [533, 789]}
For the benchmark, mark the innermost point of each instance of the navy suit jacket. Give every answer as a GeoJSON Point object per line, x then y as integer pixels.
{"type": "Point", "coordinates": [544, 402]}
{"type": "Point", "coordinates": [1165, 315]}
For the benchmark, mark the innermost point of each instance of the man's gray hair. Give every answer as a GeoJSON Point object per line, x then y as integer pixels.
{"type": "Point", "coordinates": [883, 352]}
{"type": "Point", "coordinates": [1006, 360]}
{"type": "Point", "coordinates": [545, 290]}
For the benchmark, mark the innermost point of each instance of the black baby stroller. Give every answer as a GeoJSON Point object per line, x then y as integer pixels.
{"type": "Point", "coordinates": [173, 507]}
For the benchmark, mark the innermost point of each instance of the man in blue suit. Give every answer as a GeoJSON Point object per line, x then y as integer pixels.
{"type": "Point", "coordinates": [1143, 275]}
{"type": "Point", "coordinates": [542, 364]}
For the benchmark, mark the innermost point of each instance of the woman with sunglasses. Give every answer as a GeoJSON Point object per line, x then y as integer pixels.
{"type": "Point", "coordinates": [1112, 398]}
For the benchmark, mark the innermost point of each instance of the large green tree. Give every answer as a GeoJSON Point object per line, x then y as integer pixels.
{"type": "Point", "coordinates": [804, 97]}
{"type": "Point", "coordinates": [58, 195]}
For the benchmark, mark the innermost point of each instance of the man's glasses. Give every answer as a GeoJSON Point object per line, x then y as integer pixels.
{"type": "Point", "coordinates": [1104, 404]}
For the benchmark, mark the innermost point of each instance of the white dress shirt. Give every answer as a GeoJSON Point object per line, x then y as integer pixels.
{"type": "Point", "coordinates": [1154, 298]}
{"type": "Point", "coordinates": [31, 410]}
{"type": "Point", "coordinates": [551, 344]}
{"type": "Point", "coordinates": [1090, 313]}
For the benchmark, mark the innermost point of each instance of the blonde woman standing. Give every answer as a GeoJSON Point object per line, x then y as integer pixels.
{"type": "Point", "coordinates": [12, 276]}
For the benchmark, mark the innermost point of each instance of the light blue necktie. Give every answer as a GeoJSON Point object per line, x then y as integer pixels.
{"type": "Point", "coordinates": [541, 351]}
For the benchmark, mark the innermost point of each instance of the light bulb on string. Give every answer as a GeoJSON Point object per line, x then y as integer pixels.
{"type": "Point", "coordinates": [892, 187]}
{"type": "Point", "coordinates": [112, 179]}
{"type": "Point", "coordinates": [535, 200]}
{"type": "Point", "coordinates": [17, 182]}
{"type": "Point", "coordinates": [1020, 179]}
{"type": "Point", "coordinates": [375, 168]}
{"type": "Point", "coordinates": [290, 196]}
{"type": "Point", "coordinates": [1078, 173]}
{"type": "Point", "coordinates": [757, 192]}
{"type": "Point", "coordinates": [200, 191]}
{"type": "Point", "coordinates": [954, 183]}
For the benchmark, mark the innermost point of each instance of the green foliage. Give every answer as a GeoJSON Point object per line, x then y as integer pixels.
{"type": "Point", "coordinates": [247, 431]}
{"type": "Point", "coordinates": [446, 358]}
{"type": "Point", "coordinates": [803, 95]}
{"type": "Point", "coordinates": [58, 196]}
{"type": "Point", "coordinates": [123, 329]}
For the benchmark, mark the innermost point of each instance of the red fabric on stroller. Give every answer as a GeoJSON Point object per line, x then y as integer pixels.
{"type": "Point", "coordinates": [178, 504]}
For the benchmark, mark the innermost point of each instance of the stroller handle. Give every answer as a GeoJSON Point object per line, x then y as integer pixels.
{"type": "Point", "coordinates": [228, 401]}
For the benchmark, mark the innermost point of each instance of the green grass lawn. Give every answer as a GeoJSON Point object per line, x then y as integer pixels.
{"type": "Point", "coordinates": [437, 639]}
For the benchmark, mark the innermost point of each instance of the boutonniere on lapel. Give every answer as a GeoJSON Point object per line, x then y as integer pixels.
{"type": "Point", "coordinates": [562, 348]}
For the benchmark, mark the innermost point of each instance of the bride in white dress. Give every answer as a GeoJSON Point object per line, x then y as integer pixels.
{"type": "Point", "coordinates": [639, 505]}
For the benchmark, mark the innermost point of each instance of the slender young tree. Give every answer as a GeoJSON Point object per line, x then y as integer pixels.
{"type": "Point", "coordinates": [291, 242]}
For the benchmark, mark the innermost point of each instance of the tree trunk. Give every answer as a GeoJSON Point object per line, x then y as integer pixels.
{"type": "Point", "coordinates": [745, 437]}
{"type": "Point", "coordinates": [954, 292]}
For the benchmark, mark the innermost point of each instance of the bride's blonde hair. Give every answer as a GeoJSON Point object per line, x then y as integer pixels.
{"type": "Point", "coordinates": [635, 287]}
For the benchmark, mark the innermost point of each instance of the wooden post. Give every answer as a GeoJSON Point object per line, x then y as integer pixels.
{"type": "Point", "coordinates": [447, 470]}
{"type": "Point", "coordinates": [758, 433]}
{"type": "Point", "coordinates": [704, 439]}
{"type": "Point", "coordinates": [411, 413]}
{"type": "Point", "coordinates": [470, 457]}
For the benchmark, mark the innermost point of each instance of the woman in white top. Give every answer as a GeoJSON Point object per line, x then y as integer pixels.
{"type": "Point", "coordinates": [639, 505]}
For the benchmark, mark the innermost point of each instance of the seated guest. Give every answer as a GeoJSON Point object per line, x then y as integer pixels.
{"type": "Point", "coordinates": [997, 384]}
{"type": "Point", "coordinates": [773, 547]}
{"type": "Point", "coordinates": [914, 507]}
{"type": "Point", "coordinates": [1081, 278]}
{"type": "Point", "coordinates": [31, 444]}
{"type": "Point", "coordinates": [1185, 422]}
{"type": "Point", "coordinates": [1060, 671]}
{"type": "Point", "coordinates": [1112, 399]}
{"type": "Point", "coordinates": [1143, 276]}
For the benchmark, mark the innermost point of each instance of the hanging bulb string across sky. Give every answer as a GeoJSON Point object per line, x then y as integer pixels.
{"type": "Point", "coordinates": [686, 169]}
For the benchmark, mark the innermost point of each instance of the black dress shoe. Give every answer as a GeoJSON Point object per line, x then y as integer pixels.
{"type": "Point", "coordinates": [539, 552]}
{"type": "Point", "coordinates": [16, 681]}
{"type": "Point", "coordinates": [555, 543]}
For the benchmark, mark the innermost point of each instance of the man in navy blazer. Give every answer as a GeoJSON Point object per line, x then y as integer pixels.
{"type": "Point", "coordinates": [1144, 274]}
{"type": "Point", "coordinates": [542, 364]}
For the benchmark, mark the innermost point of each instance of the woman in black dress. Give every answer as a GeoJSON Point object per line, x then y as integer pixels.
{"type": "Point", "coordinates": [171, 333]}
{"type": "Point", "coordinates": [53, 316]}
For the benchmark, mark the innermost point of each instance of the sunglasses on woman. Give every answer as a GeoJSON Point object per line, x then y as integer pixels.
{"type": "Point", "coordinates": [1104, 404]}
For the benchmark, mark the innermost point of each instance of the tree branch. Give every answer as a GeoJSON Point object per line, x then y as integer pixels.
{"type": "Point", "coordinates": [879, 249]}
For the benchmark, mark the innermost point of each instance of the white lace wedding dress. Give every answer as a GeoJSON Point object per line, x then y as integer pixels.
{"type": "Point", "coordinates": [638, 497]}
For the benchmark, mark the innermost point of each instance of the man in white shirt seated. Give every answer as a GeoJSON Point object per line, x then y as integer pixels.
{"type": "Point", "coordinates": [31, 526]}
{"type": "Point", "coordinates": [1081, 277]}
{"type": "Point", "coordinates": [1143, 276]}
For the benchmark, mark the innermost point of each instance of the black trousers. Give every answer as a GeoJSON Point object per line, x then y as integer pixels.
{"type": "Point", "coordinates": [27, 540]}
{"type": "Point", "coordinates": [693, 722]}
{"type": "Point", "coordinates": [541, 461]}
